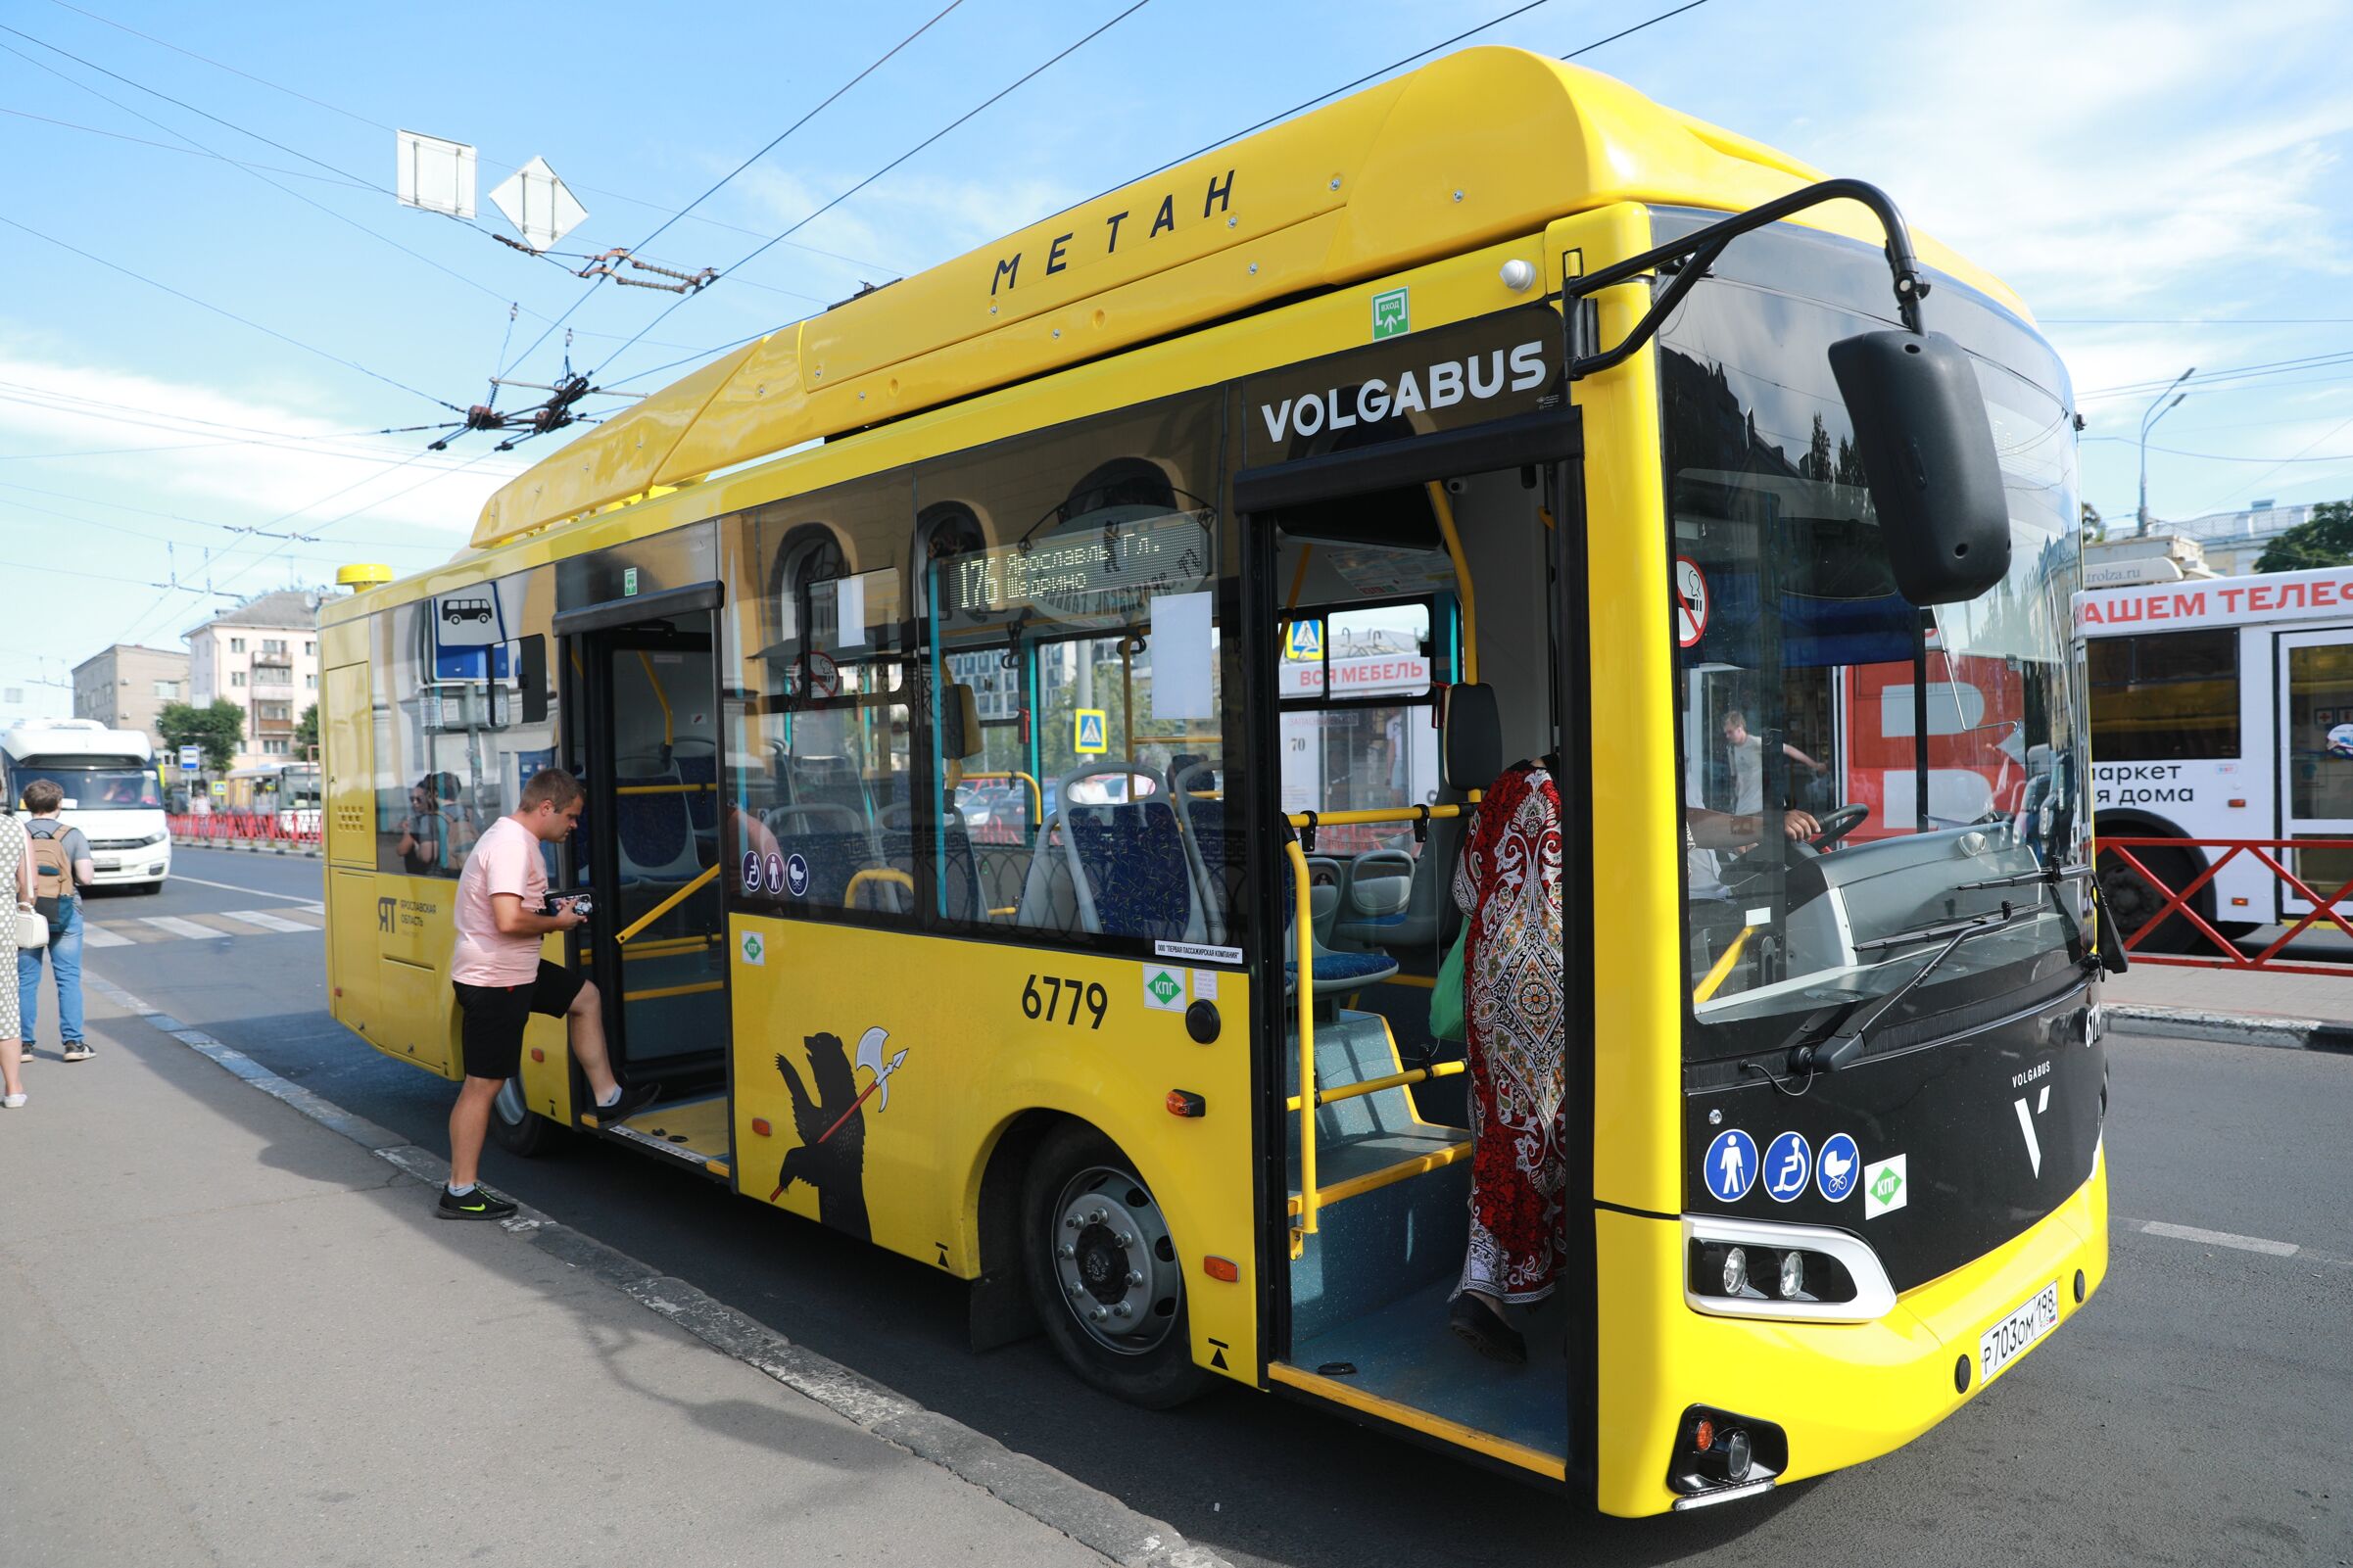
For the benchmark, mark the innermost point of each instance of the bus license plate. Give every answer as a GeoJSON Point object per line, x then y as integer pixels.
{"type": "Point", "coordinates": [2007, 1340]}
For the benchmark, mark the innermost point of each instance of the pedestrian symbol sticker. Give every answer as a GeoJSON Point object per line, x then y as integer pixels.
{"type": "Point", "coordinates": [1304, 640]}
{"type": "Point", "coordinates": [775, 873]}
{"type": "Point", "coordinates": [752, 882]}
{"type": "Point", "coordinates": [1835, 1177]}
{"type": "Point", "coordinates": [1164, 989]}
{"type": "Point", "coordinates": [1730, 1168]}
{"type": "Point", "coordinates": [1789, 1160]}
{"type": "Point", "coordinates": [1691, 603]}
{"type": "Point", "coordinates": [1093, 726]}
{"type": "Point", "coordinates": [1887, 1186]}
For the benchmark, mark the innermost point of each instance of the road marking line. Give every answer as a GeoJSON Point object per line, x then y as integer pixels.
{"type": "Point", "coordinates": [267, 920]}
{"type": "Point", "coordinates": [257, 892]}
{"type": "Point", "coordinates": [183, 928]}
{"type": "Point", "coordinates": [100, 936]}
{"type": "Point", "coordinates": [2221, 1237]}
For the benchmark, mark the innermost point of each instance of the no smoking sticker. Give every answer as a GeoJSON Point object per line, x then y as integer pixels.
{"type": "Point", "coordinates": [1691, 603]}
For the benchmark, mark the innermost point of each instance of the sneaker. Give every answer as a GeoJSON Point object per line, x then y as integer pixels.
{"type": "Point", "coordinates": [78, 1051]}
{"type": "Point", "coordinates": [634, 1097]}
{"type": "Point", "coordinates": [480, 1204]}
{"type": "Point", "coordinates": [12, 1101]}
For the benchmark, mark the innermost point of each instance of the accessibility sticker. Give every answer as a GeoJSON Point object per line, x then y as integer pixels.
{"type": "Point", "coordinates": [1730, 1168]}
{"type": "Point", "coordinates": [1834, 1177]}
{"type": "Point", "coordinates": [1094, 728]}
{"type": "Point", "coordinates": [1886, 1187]}
{"type": "Point", "coordinates": [775, 871]}
{"type": "Point", "coordinates": [1789, 1160]}
{"type": "Point", "coordinates": [752, 882]}
{"type": "Point", "coordinates": [1164, 988]}
{"type": "Point", "coordinates": [797, 876]}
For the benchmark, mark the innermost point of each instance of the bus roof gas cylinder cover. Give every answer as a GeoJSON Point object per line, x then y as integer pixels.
{"type": "Point", "coordinates": [1927, 445]}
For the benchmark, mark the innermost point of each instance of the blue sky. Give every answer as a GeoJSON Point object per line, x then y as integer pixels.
{"type": "Point", "coordinates": [2167, 185]}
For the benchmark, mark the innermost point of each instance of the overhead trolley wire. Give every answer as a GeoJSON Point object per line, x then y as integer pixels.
{"type": "Point", "coordinates": [774, 142]}
{"type": "Point", "coordinates": [244, 321]}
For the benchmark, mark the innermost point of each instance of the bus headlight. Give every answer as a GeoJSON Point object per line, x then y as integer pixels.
{"type": "Point", "coordinates": [1750, 1268]}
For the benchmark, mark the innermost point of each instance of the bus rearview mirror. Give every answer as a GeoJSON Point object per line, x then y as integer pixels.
{"type": "Point", "coordinates": [1927, 449]}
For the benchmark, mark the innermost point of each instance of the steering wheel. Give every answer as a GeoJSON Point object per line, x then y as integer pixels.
{"type": "Point", "coordinates": [1839, 823]}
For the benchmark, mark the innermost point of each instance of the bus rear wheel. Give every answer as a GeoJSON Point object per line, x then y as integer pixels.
{"type": "Point", "coordinates": [2133, 899]}
{"type": "Point", "coordinates": [518, 1129]}
{"type": "Point", "coordinates": [1104, 1272]}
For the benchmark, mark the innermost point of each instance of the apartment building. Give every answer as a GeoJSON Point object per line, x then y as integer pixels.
{"type": "Point", "coordinates": [264, 656]}
{"type": "Point", "coordinates": [125, 687]}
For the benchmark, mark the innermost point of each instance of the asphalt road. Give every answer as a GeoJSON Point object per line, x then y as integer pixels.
{"type": "Point", "coordinates": [2201, 1410]}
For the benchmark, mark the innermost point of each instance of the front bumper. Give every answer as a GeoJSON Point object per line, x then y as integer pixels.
{"type": "Point", "coordinates": [1842, 1392]}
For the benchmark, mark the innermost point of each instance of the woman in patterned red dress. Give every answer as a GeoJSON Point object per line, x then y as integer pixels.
{"type": "Point", "coordinates": [1508, 886]}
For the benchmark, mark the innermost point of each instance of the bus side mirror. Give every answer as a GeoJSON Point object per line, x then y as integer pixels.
{"type": "Point", "coordinates": [1927, 448]}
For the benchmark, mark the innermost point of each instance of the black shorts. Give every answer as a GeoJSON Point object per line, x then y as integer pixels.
{"type": "Point", "coordinates": [492, 1034]}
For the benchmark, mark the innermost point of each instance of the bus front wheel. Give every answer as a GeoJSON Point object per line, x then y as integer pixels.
{"type": "Point", "coordinates": [520, 1130]}
{"type": "Point", "coordinates": [1104, 1272]}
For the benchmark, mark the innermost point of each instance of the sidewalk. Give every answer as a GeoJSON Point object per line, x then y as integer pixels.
{"type": "Point", "coordinates": [2261, 1005]}
{"type": "Point", "coordinates": [237, 1335]}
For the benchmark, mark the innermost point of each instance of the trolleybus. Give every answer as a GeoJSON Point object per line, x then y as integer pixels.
{"type": "Point", "coordinates": [2221, 708]}
{"type": "Point", "coordinates": [1546, 396]}
{"type": "Point", "coordinates": [113, 793]}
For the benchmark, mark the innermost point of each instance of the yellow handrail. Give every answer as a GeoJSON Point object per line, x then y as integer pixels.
{"type": "Point", "coordinates": [1351, 819]}
{"type": "Point", "coordinates": [659, 696]}
{"type": "Point", "coordinates": [1470, 599]}
{"type": "Point", "coordinates": [1722, 968]}
{"type": "Point", "coordinates": [660, 991]}
{"type": "Point", "coordinates": [672, 946]}
{"type": "Point", "coordinates": [1037, 796]}
{"type": "Point", "coordinates": [874, 874]}
{"type": "Point", "coordinates": [666, 789]}
{"type": "Point", "coordinates": [1304, 926]}
{"type": "Point", "coordinates": [668, 904]}
{"type": "Point", "coordinates": [1395, 1081]}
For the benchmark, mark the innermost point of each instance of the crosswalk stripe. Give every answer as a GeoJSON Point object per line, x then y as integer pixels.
{"type": "Point", "coordinates": [267, 920]}
{"type": "Point", "coordinates": [100, 936]}
{"type": "Point", "coordinates": [181, 928]}
{"type": "Point", "coordinates": [133, 933]}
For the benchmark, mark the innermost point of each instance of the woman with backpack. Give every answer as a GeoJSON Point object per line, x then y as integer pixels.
{"type": "Point", "coordinates": [15, 871]}
{"type": "Point", "coordinates": [61, 868]}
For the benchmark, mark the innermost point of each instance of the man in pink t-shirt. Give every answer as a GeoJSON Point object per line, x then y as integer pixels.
{"type": "Point", "coordinates": [501, 981]}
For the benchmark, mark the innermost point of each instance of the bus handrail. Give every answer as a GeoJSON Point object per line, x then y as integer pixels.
{"type": "Point", "coordinates": [1304, 929]}
{"type": "Point", "coordinates": [1351, 819]}
{"type": "Point", "coordinates": [1395, 1081]}
{"type": "Point", "coordinates": [1037, 796]}
{"type": "Point", "coordinates": [1466, 592]}
{"type": "Point", "coordinates": [871, 874]}
{"type": "Point", "coordinates": [668, 904]}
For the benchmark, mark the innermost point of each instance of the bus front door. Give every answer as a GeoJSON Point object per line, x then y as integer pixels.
{"type": "Point", "coordinates": [2316, 759]}
{"type": "Point", "coordinates": [649, 852]}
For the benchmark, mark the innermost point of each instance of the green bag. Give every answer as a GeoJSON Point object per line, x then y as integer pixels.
{"type": "Point", "coordinates": [1446, 1022]}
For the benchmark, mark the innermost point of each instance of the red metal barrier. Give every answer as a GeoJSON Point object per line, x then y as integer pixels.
{"type": "Point", "coordinates": [2227, 954]}
{"type": "Point", "coordinates": [246, 826]}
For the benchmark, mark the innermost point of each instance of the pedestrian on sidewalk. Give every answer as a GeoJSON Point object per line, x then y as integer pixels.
{"type": "Point", "coordinates": [15, 871]}
{"type": "Point", "coordinates": [60, 868]}
{"type": "Point", "coordinates": [501, 981]}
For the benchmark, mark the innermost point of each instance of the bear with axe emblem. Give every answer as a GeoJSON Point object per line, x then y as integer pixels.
{"type": "Point", "coordinates": [832, 1156]}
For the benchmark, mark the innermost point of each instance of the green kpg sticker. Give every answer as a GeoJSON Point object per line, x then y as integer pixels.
{"type": "Point", "coordinates": [1164, 988]}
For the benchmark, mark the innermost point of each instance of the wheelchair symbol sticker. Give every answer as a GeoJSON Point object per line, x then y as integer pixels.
{"type": "Point", "coordinates": [1788, 1161]}
{"type": "Point", "coordinates": [1730, 1168]}
{"type": "Point", "coordinates": [752, 871]}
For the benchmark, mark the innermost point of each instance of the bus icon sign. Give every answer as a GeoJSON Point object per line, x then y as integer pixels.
{"type": "Point", "coordinates": [1391, 317]}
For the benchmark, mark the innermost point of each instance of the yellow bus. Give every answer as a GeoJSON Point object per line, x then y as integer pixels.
{"type": "Point", "coordinates": [1496, 403]}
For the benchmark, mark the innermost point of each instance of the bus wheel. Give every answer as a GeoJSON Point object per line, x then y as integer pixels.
{"type": "Point", "coordinates": [519, 1129]}
{"type": "Point", "coordinates": [1103, 1271]}
{"type": "Point", "coordinates": [2133, 899]}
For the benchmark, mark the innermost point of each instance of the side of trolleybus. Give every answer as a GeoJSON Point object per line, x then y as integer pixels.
{"type": "Point", "coordinates": [1215, 544]}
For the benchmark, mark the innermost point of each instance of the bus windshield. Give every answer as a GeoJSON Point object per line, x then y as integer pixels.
{"type": "Point", "coordinates": [94, 787]}
{"type": "Point", "coordinates": [1856, 769]}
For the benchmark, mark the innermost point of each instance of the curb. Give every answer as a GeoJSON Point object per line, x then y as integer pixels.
{"type": "Point", "coordinates": [2228, 1028]}
{"type": "Point", "coordinates": [1093, 1518]}
{"type": "Point", "coordinates": [249, 848]}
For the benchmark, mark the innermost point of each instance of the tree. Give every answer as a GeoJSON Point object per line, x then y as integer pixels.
{"type": "Point", "coordinates": [2324, 538]}
{"type": "Point", "coordinates": [2095, 526]}
{"type": "Point", "coordinates": [219, 728]}
{"type": "Point", "coordinates": [306, 733]}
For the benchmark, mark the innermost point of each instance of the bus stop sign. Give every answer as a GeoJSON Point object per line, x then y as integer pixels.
{"type": "Point", "coordinates": [191, 758]}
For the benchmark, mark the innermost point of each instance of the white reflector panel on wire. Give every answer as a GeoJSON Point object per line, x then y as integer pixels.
{"type": "Point", "coordinates": [539, 205]}
{"type": "Point", "coordinates": [435, 174]}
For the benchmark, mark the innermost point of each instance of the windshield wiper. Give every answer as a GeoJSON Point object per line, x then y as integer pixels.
{"type": "Point", "coordinates": [1834, 1053]}
{"type": "Point", "coordinates": [2040, 873]}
